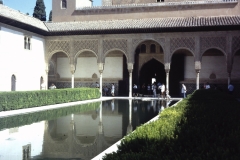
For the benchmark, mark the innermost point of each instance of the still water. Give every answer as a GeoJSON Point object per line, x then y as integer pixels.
{"type": "Point", "coordinates": [76, 132]}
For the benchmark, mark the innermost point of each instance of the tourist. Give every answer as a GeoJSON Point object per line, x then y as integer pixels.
{"type": "Point", "coordinates": [105, 91]}
{"type": "Point", "coordinates": [163, 90]}
{"type": "Point", "coordinates": [207, 86]}
{"type": "Point", "coordinates": [52, 86]}
{"type": "Point", "coordinates": [113, 89]}
{"type": "Point", "coordinates": [97, 85]}
{"type": "Point", "coordinates": [135, 90]}
{"type": "Point", "coordinates": [154, 90]}
{"type": "Point", "coordinates": [183, 91]}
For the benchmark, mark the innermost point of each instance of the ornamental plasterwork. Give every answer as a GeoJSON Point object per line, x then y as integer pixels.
{"type": "Point", "coordinates": [85, 44]}
{"type": "Point", "coordinates": [56, 46]}
{"type": "Point", "coordinates": [115, 44]}
{"type": "Point", "coordinates": [136, 42]}
{"type": "Point", "coordinates": [185, 42]}
{"type": "Point", "coordinates": [212, 42]}
{"type": "Point", "coordinates": [235, 44]}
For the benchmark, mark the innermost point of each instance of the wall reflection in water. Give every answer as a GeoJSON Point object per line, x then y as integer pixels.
{"type": "Point", "coordinates": [78, 135]}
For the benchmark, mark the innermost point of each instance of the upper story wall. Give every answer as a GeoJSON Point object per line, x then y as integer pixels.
{"type": "Point", "coordinates": [155, 10]}
{"type": "Point", "coordinates": [21, 57]}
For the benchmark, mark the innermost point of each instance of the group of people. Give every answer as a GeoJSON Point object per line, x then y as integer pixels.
{"type": "Point", "coordinates": [152, 89]}
{"type": "Point", "coordinates": [109, 91]}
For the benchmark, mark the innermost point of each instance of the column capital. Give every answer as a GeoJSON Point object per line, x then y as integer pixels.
{"type": "Point", "coordinates": [167, 67]}
{"type": "Point", "coordinates": [100, 67]}
{"type": "Point", "coordinates": [72, 68]}
{"type": "Point", "coordinates": [198, 66]}
{"type": "Point", "coordinates": [130, 67]}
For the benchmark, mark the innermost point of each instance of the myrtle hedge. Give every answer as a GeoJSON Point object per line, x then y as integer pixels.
{"type": "Point", "coordinates": [28, 99]}
{"type": "Point", "coordinates": [205, 125]}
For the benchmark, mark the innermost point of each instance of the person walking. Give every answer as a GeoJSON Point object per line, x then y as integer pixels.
{"type": "Point", "coordinates": [135, 90]}
{"type": "Point", "coordinates": [183, 91]}
{"type": "Point", "coordinates": [154, 90]}
{"type": "Point", "coordinates": [163, 90]}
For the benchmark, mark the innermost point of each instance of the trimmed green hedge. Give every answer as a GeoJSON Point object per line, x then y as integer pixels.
{"type": "Point", "coordinates": [28, 99]}
{"type": "Point", "coordinates": [205, 125]}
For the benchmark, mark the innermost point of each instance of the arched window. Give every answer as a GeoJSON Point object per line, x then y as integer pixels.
{"type": "Point", "coordinates": [13, 83]}
{"type": "Point", "coordinates": [64, 4]}
{"type": "Point", "coordinates": [143, 48]}
{"type": "Point", "coordinates": [153, 48]}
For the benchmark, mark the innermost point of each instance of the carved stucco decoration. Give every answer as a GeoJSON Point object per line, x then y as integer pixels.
{"type": "Point", "coordinates": [85, 44]}
{"type": "Point", "coordinates": [212, 42]}
{"type": "Point", "coordinates": [136, 42]}
{"type": "Point", "coordinates": [57, 46]}
{"type": "Point", "coordinates": [111, 44]}
{"type": "Point", "coordinates": [235, 44]}
{"type": "Point", "coordinates": [182, 42]}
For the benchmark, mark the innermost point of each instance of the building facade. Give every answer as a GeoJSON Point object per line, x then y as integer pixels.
{"type": "Point", "coordinates": [126, 42]}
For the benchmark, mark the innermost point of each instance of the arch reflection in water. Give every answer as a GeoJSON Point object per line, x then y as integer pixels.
{"type": "Point", "coordinates": [79, 135]}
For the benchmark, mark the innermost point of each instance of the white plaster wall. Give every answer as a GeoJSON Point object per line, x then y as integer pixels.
{"type": "Point", "coordinates": [83, 3]}
{"type": "Point", "coordinates": [27, 65]}
{"type": "Point", "coordinates": [63, 67]}
{"type": "Point", "coordinates": [113, 67]}
{"type": "Point", "coordinates": [211, 64]}
{"type": "Point", "coordinates": [87, 66]}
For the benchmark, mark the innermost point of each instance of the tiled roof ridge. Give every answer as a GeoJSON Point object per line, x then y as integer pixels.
{"type": "Point", "coordinates": [170, 18]}
{"type": "Point", "coordinates": [156, 4]}
{"type": "Point", "coordinates": [21, 17]}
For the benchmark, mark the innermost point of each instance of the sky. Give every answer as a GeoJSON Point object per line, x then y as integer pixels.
{"type": "Point", "coordinates": [27, 6]}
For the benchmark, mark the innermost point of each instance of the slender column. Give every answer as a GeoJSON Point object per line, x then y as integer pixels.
{"type": "Point", "coordinates": [72, 69]}
{"type": "Point", "coordinates": [197, 79]}
{"type": "Point", "coordinates": [130, 69]}
{"type": "Point", "coordinates": [100, 69]}
{"type": "Point", "coordinates": [167, 83]}
{"type": "Point", "coordinates": [72, 80]}
{"type": "Point", "coordinates": [100, 84]}
{"type": "Point", "coordinates": [197, 68]}
{"type": "Point", "coordinates": [229, 78]}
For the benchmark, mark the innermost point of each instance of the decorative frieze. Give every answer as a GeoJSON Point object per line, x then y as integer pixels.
{"type": "Point", "coordinates": [85, 45]}
{"type": "Point", "coordinates": [212, 42]}
{"type": "Point", "coordinates": [235, 44]}
{"type": "Point", "coordinates": [56, 46]}
{"type": "Point", "coordinates": [182, 42]}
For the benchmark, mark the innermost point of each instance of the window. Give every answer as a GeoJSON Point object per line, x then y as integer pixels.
{"type": "Point", "coordinates": [160, 0]}
{"type": "Point", "coordinates": [64, 4]}
{"type": "Point", "coordinates": [27, 43]}
{"type": "Point", "coordinates": [143, 48]}
{"type": "Point", "coordinates": [153, 48]}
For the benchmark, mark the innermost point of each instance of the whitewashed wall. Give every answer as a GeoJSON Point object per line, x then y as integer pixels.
{"type": "Point", "coordinates": [87, 66]}
{"type": "Point", "coordinates": [83, 3]}
{"type": "Point", "coordinates": [27, 65]}
{"type": "Point", "coordinates": [211, 64]}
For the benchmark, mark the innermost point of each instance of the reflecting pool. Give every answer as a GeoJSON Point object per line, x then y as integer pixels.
{"type": "Point", "coordinates": [76, 132]}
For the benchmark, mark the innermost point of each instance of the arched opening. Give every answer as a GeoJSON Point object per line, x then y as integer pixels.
{"type": "Point", "coordinates": [181, 71]}
{"type": "Point", "coordinates": [148, 66]}
{"type": "Point", "coordinates": [117, 75]}
{"type": "Point", "coordinates": [86, 73]}
{"type": "Point", "coordinates": [58, 69]}
{"type": "Point", "coordinates": [214, 69]}
{"type": "Point", "coordinates": [151, 70]}
{"type": "Point", "coordinates": [13, 83]}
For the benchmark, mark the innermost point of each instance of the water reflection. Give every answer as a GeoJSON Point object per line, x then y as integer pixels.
{"type": "Point", "coordinates": [79, 135]}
